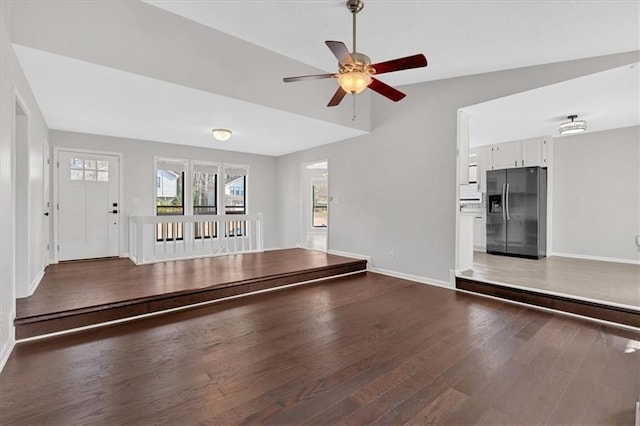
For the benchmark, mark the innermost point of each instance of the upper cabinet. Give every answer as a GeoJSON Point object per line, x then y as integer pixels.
{"type": "Point", "coordinates": [525, 153]}
{"type": "Point", "coordinates": [506, 155]}
{"type": "Point", "coordinates": [534, 152]}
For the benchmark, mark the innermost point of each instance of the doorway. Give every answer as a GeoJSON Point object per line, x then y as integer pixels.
{"type": "Point", "coordinates": [315, 205]}
{"type": "Point", "coordinates": [22, 235]}
{"type": "Point", "coordinates": [88, 205]}
{"type": "Point", "coordinates": [46, 203]}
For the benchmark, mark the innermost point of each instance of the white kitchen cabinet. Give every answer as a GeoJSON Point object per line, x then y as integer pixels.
{"type": "Point", "coordinates": [484, 163]}
{"type": "Point", "coordinates": [506, 155]}
{"type": "Point", "coordinates": [534, 152]}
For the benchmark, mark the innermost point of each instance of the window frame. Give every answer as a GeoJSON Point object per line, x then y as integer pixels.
{"type": "Point", "coordinates": [324, 181]}
{"type": "Point", "coordinates": [162, 229]}
{"type": "Point", "coordinates": [218, 167]}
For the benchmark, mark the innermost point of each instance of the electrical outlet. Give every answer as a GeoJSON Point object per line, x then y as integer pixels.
{"type": "Point", "coordinates": [390, 255]}
{"type": "Point", "coordinates": [638, 241]}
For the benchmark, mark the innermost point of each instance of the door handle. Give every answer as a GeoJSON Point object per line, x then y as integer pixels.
{"type": "Point", "coordinates": [504, 215]}
{"type": "Point", "coordinates": [113, 211]}
{"type": "Point", "coordinates": [46, 213]}
{"type": "Point", "coordinates": [506, 204]}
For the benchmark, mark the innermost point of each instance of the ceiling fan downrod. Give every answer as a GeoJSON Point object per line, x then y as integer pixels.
{"type": "Point", "coordinates": [354, 6]}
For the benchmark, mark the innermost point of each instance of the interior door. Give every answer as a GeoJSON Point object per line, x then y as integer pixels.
{"type": "Point", "coordinates": [46, 203]}
{"type": "Point", "coordinates": [496, 213]}
{"type": "Point", "coordinates": [88, 210]}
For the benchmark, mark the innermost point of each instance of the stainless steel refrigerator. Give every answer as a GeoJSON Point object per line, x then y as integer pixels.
{"type": "Point", "coordinates": [517, 212]}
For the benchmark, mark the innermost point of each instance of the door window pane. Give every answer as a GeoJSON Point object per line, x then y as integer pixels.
{"type": "Point", "coordinates": [86, 169]}
{"type": "Point", "coordinates": [320, 202]}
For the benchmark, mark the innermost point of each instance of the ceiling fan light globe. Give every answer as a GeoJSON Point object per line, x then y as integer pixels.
{"type": "Point", "coordinates": [354, 82]}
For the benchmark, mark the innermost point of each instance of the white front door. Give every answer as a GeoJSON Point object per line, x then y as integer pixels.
{"type": "Point", "coordinates": [88, 206]}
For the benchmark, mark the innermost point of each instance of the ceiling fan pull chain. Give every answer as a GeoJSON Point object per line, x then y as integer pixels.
{"type": "Point", "coordinates": [353, 96]}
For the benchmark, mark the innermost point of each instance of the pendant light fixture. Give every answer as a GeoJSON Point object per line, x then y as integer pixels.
{"type": "Point", "coordinates": [573, 126]}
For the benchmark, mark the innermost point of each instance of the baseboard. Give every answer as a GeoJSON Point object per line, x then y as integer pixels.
{"type": "Point", "coordinates": [124, 255]}
{"type": "Point", "coordinates": [352, 255]}
{"type": "Point", "coordinates": [36, 282]}
{"type": "Point", "coordinates": [600, 258]}
{"type": "Point", "coordinates": [416, 278]}
{"type": "Point", "coordinates": [272, 248]}
{"type": "Point", "coordinates": [7, 348]}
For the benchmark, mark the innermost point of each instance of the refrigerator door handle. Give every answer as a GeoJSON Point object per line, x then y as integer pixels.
{"type": "Point", "coordinates": [506, 204]}
{"type": "Point", "coordinates": [504, 211]}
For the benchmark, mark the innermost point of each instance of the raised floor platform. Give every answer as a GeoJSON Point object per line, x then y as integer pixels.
{"type": "Point", "coordinates": [82, 293]}
{"type": "Point", "coordinates": [604, 290]}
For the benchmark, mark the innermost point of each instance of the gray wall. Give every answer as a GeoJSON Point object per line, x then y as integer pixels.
{"type": "Point", "coordinates": [29, 193]}
{"type": "Point", "coordinates": [596, 205]}
{"type": "Point", "coordinates": [396, 186]}
{"type": "Point", "coordinates": [139, 175]}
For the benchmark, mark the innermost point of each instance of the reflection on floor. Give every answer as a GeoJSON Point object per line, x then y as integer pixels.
{"type": "Point", "coordinates": [605, 282]}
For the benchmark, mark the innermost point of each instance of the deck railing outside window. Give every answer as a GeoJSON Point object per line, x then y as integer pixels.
{"type": "Point", "coordinates": [242, 234]}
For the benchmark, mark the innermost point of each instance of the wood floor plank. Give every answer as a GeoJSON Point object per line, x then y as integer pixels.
{"type": "Point", "coordinates": [367, 349]}
{"type": "Point", "coordinates": [592, 279]}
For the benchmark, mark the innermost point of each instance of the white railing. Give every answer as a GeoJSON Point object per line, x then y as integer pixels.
{"type": "Point", "coordinates": [155, 239]}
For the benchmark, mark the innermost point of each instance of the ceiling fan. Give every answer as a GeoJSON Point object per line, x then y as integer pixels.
{"type": "Point", "coordinates": [355, 71]}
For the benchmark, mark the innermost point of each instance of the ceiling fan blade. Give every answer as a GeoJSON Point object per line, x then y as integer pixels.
{"type": "Point", "coordinates": [415, 61]}
{"type": "Point", "coordinates": [337, 97]}
{"type": "Point", "coordinates": [385, 90]}
{"type": "Point", "coordinates": [340, 50]}
{"type": "Point", "coordinates": [307, 77]}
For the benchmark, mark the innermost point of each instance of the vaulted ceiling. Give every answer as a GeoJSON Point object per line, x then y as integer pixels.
{"type": "Point", "coordinates": [171, 70]}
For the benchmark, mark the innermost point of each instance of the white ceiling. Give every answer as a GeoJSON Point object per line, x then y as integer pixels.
{"type": "Point", "coordinates": [606, 100]}
{"type": "Point", "coordinates": [458, 38]}
{"type": "Point", "coordinates": [83, 97]}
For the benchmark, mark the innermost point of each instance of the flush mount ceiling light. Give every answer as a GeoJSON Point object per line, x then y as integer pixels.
{"type": "Point", "coordinates": [573, 126]}
{"type": "Point", "coordinates": [221, 134]}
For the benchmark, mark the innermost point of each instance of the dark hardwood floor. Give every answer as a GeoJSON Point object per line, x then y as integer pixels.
{"type": "Point", "coordinates": [77, 294]}
{"type": "Point", "coordinates": [364, 349]}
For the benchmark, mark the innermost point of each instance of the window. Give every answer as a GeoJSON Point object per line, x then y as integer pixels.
{"type": "Point", "coordinates": [319, 203]}
{"type": "Point", "coordinates": [169, 197]}
{"type": "Point", "coordinates": [235, 199]}
{"type": "Point", "coordinates": [89, 170]}
{"type": "Point", "coordinates": [205, 195]}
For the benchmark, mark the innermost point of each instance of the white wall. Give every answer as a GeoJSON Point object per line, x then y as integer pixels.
{"type": "Point", "coordinates": [596, 203]}
{"type": "Point", "coordinates": [396, 187]}
{"type": "Point", "coordinates": [12, 79]}
{"type": "Point", "coordinates": [139, 175]}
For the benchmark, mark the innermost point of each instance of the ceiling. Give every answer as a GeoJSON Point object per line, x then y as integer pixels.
{"type": "Point", "coordinates": [458, 37]}
{"type": "Point", "coordinates": [84, 97]}
{"type": "Point", "coordinates": [80, 91]}
{"type": "Point", "coordinates": [606, 100]}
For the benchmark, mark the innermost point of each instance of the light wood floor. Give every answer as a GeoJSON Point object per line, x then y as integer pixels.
{"type": "Point", "coordinates": [607, 282]}
{"type": "Point", "coordinates": [365, 349]}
